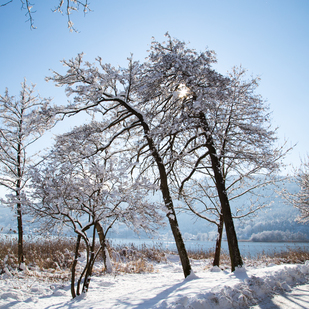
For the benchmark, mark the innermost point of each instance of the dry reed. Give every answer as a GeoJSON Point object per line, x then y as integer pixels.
{"type": "Point", "coordinates": [56, 254]}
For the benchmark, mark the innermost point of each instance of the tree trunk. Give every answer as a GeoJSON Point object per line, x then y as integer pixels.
{"type": "Point", "coordinates": [164, 189]}
{"type": "Point", "coordinates": [105, 254]}
{"type": "Point", "coordinates": [79, 281]}
{"type": "Point", "coordinates": [101, 235]}
{"type": "Point", "coordinates": [216, 261]}
{"type": "Point", "coordinates": [21, 258]}
{"type": "Point", "coordinates": [74, 267]}
{"type": "Point", "coordinates": [90, 263]}
{"type": "Point", "coordinates": [235, 256]}
{"type": "Point", "coordinates": [171, 215]}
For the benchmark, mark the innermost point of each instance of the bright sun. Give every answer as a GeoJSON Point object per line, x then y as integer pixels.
{"type": "Point", "coordinates": [183, 91]}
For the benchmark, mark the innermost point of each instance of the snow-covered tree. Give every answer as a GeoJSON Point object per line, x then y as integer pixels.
{"type": "Point", "coordinates": [184, 92]}
{"type": "Point", "coordinates": [23, 120]}
{"type": "Point", "coordinates": [245, 144]}
{"type": "Point", "coordinates": [90, 194]}
{"type": "Point", "coordinates": [64, 6]}
{"type": "Point", "coordinates": [300, 199]}
{"type": "Point", "coordinates": [114, 94]}
{"type": "Point", "coordinates": [177, 113]}
{"type": "Point", "coordinates": [208, 124]}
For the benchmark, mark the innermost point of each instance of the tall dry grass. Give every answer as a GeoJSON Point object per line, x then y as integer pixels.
{"type": "Point", "coordinates": [56, 253]}
{"type": "Point", "coordinates": [44, 253]}
{"type": "Point", "coordinates": [296, 255]}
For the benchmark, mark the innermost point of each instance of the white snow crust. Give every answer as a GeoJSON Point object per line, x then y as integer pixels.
{"type": "Point", "coordinates": [260, 286]}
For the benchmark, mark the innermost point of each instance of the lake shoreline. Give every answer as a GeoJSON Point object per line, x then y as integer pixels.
{"type": "Point", "coordinates": [274, 241]}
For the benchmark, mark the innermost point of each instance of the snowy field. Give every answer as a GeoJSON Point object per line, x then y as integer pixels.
{"type": "Point", "coordinates": [257, 285]}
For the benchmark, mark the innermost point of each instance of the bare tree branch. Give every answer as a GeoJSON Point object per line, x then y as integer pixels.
{"type": "Point", "coordinates": [69, 5]}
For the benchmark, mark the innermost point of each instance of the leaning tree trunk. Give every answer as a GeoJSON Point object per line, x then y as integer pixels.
{"type": "Point", "coordinates": [216, 261]}
{"type": "Point", "coordinates": [235, 256]}
{"type": "Point", "coordinates": [183, 255]}
{"type": "Point", "coordinates": [171, 215]}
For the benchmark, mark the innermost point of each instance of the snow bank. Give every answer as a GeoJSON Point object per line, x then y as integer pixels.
{"type": "Point", "coordinates": [206, 287]}
{"type": "Point", "coordinates": [240, 289]}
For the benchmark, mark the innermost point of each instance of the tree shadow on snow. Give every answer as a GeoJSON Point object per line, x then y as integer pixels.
{"type": "Point", "coordinates": [149, 303]}
{"type": "Point", "coordinates": [298, 298]}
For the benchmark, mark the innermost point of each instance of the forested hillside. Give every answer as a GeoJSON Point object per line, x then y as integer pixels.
{"type": "Point", "coordinates": [272, 223]}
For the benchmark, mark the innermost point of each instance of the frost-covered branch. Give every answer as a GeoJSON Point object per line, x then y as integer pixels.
{"type": "Point", "coordinates": [65, 7]}
{"type": "Point", "coordinates": [300, 199]}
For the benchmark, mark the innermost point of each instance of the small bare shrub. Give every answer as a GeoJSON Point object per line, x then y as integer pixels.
{"type": "Point", "coordinates": [134, 267]}
{"type": "Point", "coordinates": [156, 254]}
{"type": "Point", "coordinates": [133, 259]}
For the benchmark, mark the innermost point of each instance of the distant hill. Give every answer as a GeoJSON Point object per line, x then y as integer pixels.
{"type": "Point", "coordinates": [273, 223]}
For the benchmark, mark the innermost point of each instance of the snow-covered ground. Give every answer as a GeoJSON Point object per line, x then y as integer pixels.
{"type": "Point", "coordinates": [258, 286]}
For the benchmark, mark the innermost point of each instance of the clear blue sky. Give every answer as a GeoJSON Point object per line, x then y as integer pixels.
{"type": "Point", "coordinates": [269, 38]}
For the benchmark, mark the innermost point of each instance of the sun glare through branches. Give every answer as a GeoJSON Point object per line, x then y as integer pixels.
{"type": "Point", "coordinates": [183, 91]}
